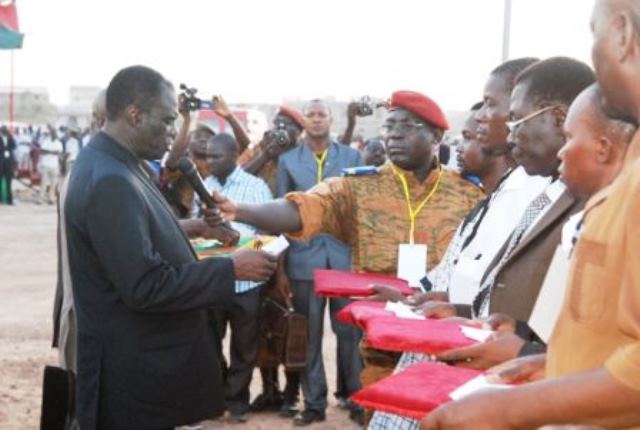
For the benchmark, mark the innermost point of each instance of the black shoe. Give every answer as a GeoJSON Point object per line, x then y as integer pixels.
{"type": "Point", "coordinates": [237, 417]}
{"type": "Point", "coordinates": [356, 415]}
{"type": "Point", "coordinates": [342, 402]}
{"type": "Point", "coordinates": [288, 409]}
{"type": "Point", "coordinates": [307, 417]}
{"type": "Point", "coordinates": [266, 403]}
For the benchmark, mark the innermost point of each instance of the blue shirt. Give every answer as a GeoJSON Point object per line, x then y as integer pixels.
{"type": "Point", "coordinates": [241, 187]}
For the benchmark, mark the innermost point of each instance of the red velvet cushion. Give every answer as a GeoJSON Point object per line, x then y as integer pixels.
{"type": "Point", "coordinates": [415, 391]}
{"type": "Point", "coordinates": [406, 335]}
{"type": "Point", "coordinates": [360, 312]}
{"type": "Point", "coordinates": [337, 283]}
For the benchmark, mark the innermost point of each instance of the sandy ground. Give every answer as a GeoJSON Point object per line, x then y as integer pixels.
{"type": "Point", "coordinates": [27, 283]}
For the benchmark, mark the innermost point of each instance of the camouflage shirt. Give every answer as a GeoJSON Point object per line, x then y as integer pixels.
{"type": "Point", "coordinates": [370, 214]}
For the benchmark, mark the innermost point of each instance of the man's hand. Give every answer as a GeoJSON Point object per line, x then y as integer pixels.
{"type": "Point", "coordinates": [436, 310]}
{"type": "Point", "coordinates": [221, 107]}
{"type": "Point", "coordinates": [183, 109]}
{"type": "Point", "coordinates": [430, 296]}
{"type": "Point", "coordinates": [212, 217]}
{"type": "Point", "coordinates": [384, 293]}
{"type": "Point", "coordinates": [500, 322]}
{"type": "Point", "coordinates": [253, 265]}
{"type": "Point", "coordinates": [482, 411]}
{"type": "Point", "coordinates": [227, 208]}
{"type": "Point", "coordinates": [495, 350]}
{"type": "Point", "coordinates": [352, 111]}
{"type": "Point", "coordinates": [523, 369]}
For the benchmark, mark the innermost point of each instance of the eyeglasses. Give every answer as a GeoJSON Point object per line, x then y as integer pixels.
{"type": "Point", "coordinates": [513, 125]}
{"type": "Point", "coordinates": [401, 126]}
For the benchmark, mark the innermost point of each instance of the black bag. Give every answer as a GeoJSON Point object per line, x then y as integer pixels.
{"type": "Point", "coordinates": [58, 395]}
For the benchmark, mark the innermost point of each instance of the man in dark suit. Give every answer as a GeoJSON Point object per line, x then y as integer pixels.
{"type": "Point", "coordinates": [146, 358]}
{"type": "Point", "coordinates": [539, 104]}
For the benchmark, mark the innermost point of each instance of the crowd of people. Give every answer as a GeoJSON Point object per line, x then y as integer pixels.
{"type": "Point", "coordinates": [42, 154]}
{"type": "Point", "coordinates": [547, 174]}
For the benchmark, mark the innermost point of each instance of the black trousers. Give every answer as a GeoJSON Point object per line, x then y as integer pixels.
{"type": "Point", "coordinates": [349, 362]}
{"type": "Point", "coordinates": [242, 317]}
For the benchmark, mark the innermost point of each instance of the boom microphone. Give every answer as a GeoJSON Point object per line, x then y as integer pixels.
{"type": "Point", "coordinates": [223, 232]}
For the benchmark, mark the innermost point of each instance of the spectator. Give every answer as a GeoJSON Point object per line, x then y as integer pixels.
{"type": "Point", "coordinates": [51, 149]}
{"type": "Point", "coordinates": [7, 165]}
{"type": "Point", "coordinates": [373, 153]}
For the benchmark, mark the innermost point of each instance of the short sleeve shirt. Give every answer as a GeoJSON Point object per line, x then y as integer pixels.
{"type": "Point", "coordinates": [370, 214]}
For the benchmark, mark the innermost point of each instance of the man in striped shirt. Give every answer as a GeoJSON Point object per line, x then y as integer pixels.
{"type": "Point", "coordinates": [231, 181]}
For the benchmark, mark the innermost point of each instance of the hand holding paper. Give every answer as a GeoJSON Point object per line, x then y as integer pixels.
{"type": "Point", "coordinates": [497, 349]}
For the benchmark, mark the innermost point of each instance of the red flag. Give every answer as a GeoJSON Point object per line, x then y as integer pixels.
{"type": "Point", "coordinates": [9, 17]}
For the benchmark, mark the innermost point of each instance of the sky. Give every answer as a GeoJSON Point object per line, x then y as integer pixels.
{"type": "Point", "coordinates": [269, 51]}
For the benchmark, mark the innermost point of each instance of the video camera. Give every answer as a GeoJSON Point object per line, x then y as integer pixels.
{"type": "Point", "coordinates": [192, 102]}
{"type": "Point", "coordinates": [366, 106]}
{"type": "Point", "coordinates": [280, 135]}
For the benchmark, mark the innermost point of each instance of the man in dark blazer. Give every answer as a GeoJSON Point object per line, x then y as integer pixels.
{"type": "Point", "coordinates": [300, 169]}
{"type": "Point", "coordinates": [539, 104]}
{"type": "Point", "coordinates": [146, 358]}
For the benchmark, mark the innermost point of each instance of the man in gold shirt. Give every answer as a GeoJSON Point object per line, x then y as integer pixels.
{"type": "Point", "coordinates": [410, 203]}
{"type": "Point", "coordinates": [593, 364]}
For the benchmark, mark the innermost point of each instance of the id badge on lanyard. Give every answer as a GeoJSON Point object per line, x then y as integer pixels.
{"type": "Point", "coordinates": [412, 257]}
{"type": "Point", "coordinates": [412, 263]}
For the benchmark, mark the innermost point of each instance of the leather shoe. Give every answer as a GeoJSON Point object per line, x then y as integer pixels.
{"type": "Point", "coordinates": [307, 417]}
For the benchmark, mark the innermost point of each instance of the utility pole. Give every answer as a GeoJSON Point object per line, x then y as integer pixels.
{"type": "Point", "coordinates": [506, 31]}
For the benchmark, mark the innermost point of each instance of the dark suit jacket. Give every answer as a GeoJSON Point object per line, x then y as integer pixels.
{"type": "Point", "coordinates": [297, 171]}
{"type": "Point", "coordinates": [519, 281]}
{"type": "Point", "coordinates": [146, 357]}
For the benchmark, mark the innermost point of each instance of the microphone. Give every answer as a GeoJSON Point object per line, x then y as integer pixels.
{"type": "Point", "coordinates": [224, 232]}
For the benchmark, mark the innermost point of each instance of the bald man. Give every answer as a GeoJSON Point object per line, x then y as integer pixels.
{"type": "Point", "coordinates": [593, 357]}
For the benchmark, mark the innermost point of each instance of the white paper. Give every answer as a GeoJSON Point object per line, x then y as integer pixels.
{"type": "Point", "coordinates": [276, 246]}
{"type": "Point", "coordinates": [549, 303]}
{"type": "Point", "coordinates": [473, 386]}
{"type": "Point", "coordinates": [412, 263]}
{"type": "Point", "coordinates": [402, 311]}
{"type": "Point", "coordinates": [476, 333]}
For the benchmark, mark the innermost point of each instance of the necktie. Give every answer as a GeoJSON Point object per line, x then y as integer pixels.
{"type": "Point", "coordinates": [481, 301]}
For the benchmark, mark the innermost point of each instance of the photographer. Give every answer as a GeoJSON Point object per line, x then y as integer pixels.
{"type": "Point", "coordinates": [363, 107]}
{"type": "Point", "coordinates": [174, 187]}
{"type": "Point", "coordinates": [262, 161]}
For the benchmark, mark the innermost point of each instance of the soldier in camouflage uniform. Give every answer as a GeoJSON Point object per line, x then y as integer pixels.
{"type": "Point", "coordinates": [371, 213]}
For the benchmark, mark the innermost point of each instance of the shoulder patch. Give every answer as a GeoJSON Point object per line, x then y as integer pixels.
{"type": "Point", "coordinates": [360, 171]}
{"type": "Point", "coordinates": [472, 179]}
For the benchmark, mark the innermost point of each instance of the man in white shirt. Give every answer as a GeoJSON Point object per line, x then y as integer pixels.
{"type": "Point", "coordinates": [231, 181]}
{"type": "Point", "coordinates": [72, 148]}
{"type": "Point", "coordinates": [50, 151]}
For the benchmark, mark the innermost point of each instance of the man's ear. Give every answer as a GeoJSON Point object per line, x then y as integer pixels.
{"type": "Point", "coordinates": [437, 136]}
{"type": "Point", "coordinates": [604, 150]}
{"type": "Point", "coordinates": [626, 37]}
{"type": "Point", "coordinates": [133, 115]}
{"type": "Point", "coordinates": [560, 115]}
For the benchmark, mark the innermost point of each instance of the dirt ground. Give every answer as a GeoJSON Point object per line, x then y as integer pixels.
{"type": "Point", "coordinates": [27, 283]}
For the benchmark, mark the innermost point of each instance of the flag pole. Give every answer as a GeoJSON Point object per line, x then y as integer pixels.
{"type": "Point", "coordinates": [11, 106]}
{"type": "Point", "coordinates": [506, 30]}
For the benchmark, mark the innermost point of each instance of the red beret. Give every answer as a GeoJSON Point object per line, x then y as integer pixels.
{"type": "Point", "coordinates": [420, 105]}
{"type": "Point", "coordinates": [296, 116]}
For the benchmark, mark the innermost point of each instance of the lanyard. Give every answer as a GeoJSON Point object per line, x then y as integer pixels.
{"type": "Point", "coordinates": [320, 162]}
{"type": "Point", "coordinates": [413, 213]}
